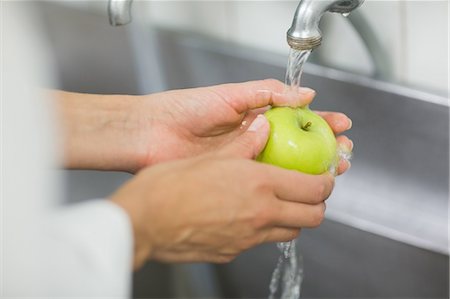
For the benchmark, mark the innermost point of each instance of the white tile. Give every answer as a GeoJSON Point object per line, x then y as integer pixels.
{"type": "Point", "coordinates": [207, 17]}
{"type": "Point", "coordinates": [167, 13]}
{"type": "Point", "coordinates": [343, 47]}
{"type": "Point", "coordinates": [262, 24]}
{"type": "Point", "coordinates": [98, 6]}
{"type": "Point", "coordinates": [401, 27]}
{"type": "Point", "coordinates": [427, 44]}
{"type": "Point", "coordinates": [386, 20]}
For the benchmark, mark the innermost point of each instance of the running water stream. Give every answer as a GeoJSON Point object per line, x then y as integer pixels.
{"type": "Point", "coordinates": [294, 69]}
{"type": "Point", "coordinates": [288, 274]}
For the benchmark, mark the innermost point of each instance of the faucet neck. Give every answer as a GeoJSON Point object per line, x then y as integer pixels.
{"type": "Point", "coordinates": [304, 33]}
{"type": "Point", "coordinates": [119, 12]}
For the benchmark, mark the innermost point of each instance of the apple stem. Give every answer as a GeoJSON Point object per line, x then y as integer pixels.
{"type": "Point", "coordinates": [306, 126]}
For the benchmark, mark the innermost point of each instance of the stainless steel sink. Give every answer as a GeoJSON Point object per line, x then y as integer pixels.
{"type": "Point", "coordinates": [398, 185]}
{"type": "Point", "coordinates": [386, 233]}
{"type": "Point", "coordinates": [387, 230]}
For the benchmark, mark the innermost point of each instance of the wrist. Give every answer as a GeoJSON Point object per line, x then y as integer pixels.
{"type": "Point", "coordinates": [99, 131]}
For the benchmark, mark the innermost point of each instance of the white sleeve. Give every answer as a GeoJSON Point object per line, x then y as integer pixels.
{"type": "Point", "coordinates": [92, 251]}
{"type": "Point", "coordinates": [47, 249]}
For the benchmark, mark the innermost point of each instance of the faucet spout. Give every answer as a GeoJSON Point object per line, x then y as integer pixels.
{"type": "Point", "coordinates": [119, 12]}
{"type": "Point", "coordinates": [304, 33]}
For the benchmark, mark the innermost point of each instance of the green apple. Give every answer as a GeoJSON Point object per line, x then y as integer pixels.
{"type": "Point", "coordinates": [299, 139]}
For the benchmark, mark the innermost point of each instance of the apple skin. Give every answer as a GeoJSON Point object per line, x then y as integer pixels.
{"type": "Point", "coordinates": [299, 139]}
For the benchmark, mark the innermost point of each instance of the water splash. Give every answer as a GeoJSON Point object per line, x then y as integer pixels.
{"type": "Point", "coordinates": [288, 274]}
{"type": "Point", "coordinates": [342, 154]}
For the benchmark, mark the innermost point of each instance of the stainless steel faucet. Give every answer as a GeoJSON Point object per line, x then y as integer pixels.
{"type": "Point", "coordinates": [304, 33]}
{"type": "Point", "coordinates": [119, 12]}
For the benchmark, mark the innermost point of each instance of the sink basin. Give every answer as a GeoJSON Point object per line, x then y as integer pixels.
{"type": "Point", "coordinates": [386, 233]}
{"type": "Point", "coordinates": [398, 184]}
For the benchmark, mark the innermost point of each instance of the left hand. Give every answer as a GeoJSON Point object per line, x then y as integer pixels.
{"type": "Point", "coordinates": [185, 123]}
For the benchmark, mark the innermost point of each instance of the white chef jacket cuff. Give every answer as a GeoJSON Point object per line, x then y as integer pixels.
{"type": "Point", "coordinates": [94, 241]}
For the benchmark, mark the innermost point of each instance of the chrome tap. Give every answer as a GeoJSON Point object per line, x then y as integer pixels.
{"type": "Point", "coordinates": [119, 12]}
{"type": "Point", "coordinates": [304, 33]}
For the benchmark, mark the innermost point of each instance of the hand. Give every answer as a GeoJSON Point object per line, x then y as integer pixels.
{"type": "Point", "coordinates": [186, 123]}
{"type": "Point", "coordinates": [339, 123]}
{"type": "Point", "coordinates": [127, 133]}
{"type": "Point", "coordinates": [190, 122]}
{"type": "Point", "coordinates": [214, 206]}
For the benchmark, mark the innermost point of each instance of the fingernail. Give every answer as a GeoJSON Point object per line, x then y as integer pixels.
{"type": "Point", "coordinates": [351, 144]}
{"type": "Point", "coordinates": [257, 124]}
{"type": "Point", "coordinates": [349, 164]}
{"type": "Point", "coordinates": [350, 125]}
{"type": "Point", "coordinates": [344, 165]}
{"type": "Point", "coordinates": [306, 90]}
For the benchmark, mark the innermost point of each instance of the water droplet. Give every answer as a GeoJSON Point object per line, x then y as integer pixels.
{"type": "Point", "coordinates": [345, 14]}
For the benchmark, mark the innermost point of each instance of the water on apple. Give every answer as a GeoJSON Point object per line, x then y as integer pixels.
{"type": "Point", "coordinates": [343, 154]}
{"type": "Point", "coordinates": [288, 274]}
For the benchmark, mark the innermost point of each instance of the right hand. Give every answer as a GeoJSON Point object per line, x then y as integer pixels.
{"type": "Point", "coordinates": [213, 207]}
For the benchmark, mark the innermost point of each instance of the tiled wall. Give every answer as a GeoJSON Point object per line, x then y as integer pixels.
{"type": "Point", "coordinates": [414, 34]}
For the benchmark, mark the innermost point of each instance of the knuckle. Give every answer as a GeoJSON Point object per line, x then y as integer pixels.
{"type": "Point", "coordinates": [249, 243]}
{"type": "Point", "coordinates": [331, 182]}
{"type": "Point", "coordinates": [293, 234]}
{"type": "Point", "coordinates": [287, 235]}
{"type": "Point", "coordinates": [320, 194]}
{"type": "Point", "coordinates": [324, 189]}
{"type": "Point", "coordinates": [233, 249]}
{"type": "Point", "coordinates": [262, 217]}
{"type": "Point", "coordinates": [262, 182]}
{"type": "Point", "coordinates": [262, 238]}
{"type": "Point", "coordinates": [272, 82]}
{"type": "Point", "coordinates": [263, 185]}
{"type": "Point", "coordinates": [224, 259]}
{"type": "Point", "coordinates": [318, 215]}
{"type": "Point", "coordinates": [263, 208]}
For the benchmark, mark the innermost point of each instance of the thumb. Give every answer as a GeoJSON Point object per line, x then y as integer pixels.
{"type": "Point", "coordinates": [252, 142]}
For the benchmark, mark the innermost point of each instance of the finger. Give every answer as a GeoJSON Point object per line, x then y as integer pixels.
{"type": "Point", "coordinates": [251, 115]}
{"type": "Point", "coordinates": [267, 97]}
{"type": "Point", "coordinates": [291, 185]}
{"type": "Point", "coordinates": [259, 110]}
{"type": "Point", "coordinates": [344, 143]}
{"type": "Point", "coordinates": [345, 148]}
{"type": "Point", "coordinates": [298, 215]}
{"type": "Point", "coordinates": [339, 122]}
{"type": "Point", "coordinates": [343, 166]}
{"type": "Point", "coordinates": [252, 142]}
{"type": "Point", "coordinates": [256, 94]}
{"type": "Point", "coordinates": [280, 234]}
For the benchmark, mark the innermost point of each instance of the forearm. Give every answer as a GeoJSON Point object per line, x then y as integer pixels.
{"type": "Point", "coordinates": [97, 130]}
